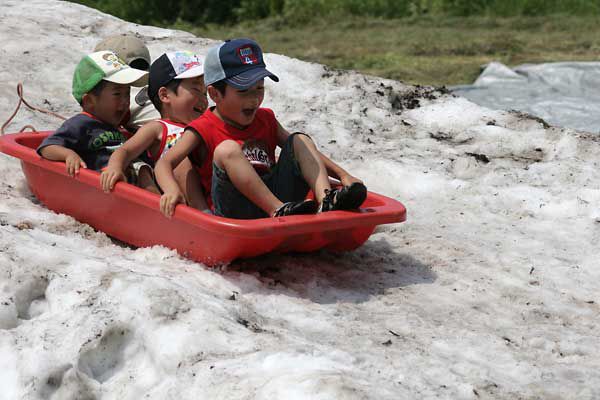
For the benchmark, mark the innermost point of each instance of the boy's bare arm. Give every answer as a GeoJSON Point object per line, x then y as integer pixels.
{"type": "Point", "coordinates": [72, 160]}
{"type": "Point", "coordinates": [164, 171]}
{"type": "Point", "coordinates": [333, 169]}
{"type": "Point", "coordinates": [129, 151]}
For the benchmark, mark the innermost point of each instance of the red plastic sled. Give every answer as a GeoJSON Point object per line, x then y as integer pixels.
{"type": "Point", "coordinates": [132, 215]}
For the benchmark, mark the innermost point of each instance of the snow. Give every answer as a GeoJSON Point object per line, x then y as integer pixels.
{"type": "Point", "coordinates": [488, 291]}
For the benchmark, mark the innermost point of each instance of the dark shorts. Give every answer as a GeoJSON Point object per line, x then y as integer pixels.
{"type": "Point", "coordinates": [284, 180]}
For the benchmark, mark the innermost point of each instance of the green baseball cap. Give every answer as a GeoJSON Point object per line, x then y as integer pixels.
{"type": "Point", "coordinates": [104, 65]}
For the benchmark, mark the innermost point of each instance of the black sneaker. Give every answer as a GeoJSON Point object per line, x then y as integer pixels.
{"type": "Point", "coordinates": [346, 198]}
{"type": "Point", "coordinates": [297, 208]}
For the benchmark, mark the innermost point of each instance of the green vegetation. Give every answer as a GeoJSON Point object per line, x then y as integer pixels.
{"type": "Point", "coordinates": [432, 42]}
{"type": "Point", "coordinates": [301, 11]}
{"type": "Point", "coordinates": [425, 50]}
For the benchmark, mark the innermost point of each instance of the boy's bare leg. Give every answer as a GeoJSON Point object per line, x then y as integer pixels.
{"type": "Point", "coordinates": [229, 156]}
{"type": "Point", "coordinates": [191, 185]}
{"type": "Point", "coordinates": [146, 180]}
{"type": "Point", "coordinates": [312, 166]}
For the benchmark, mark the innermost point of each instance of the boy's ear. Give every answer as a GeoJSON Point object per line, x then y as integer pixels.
{"type": "Point", "coordinates": [87, 102]}
{"type": "Point", "coordinates": [214, 94]}
{"type": "Point", "coordinates": [163, 95]}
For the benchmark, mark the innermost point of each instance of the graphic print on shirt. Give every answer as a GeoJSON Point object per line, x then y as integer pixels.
{"type": "Point", "coordinates": [173, 134]}
{"type": "Point", "coordinates": [110, 140]}
{"type": "Point", "coordinates": [171, 140]}
{"type": "Point", "coordinates": [256, 152]}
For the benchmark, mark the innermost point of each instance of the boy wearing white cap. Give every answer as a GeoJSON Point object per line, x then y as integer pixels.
{"type": "Point", "coordinates": [176, 88]}
{"type": "Point", "coordinates": [233, 146]}
{"type": "Point", "coordinates": [101, 85]}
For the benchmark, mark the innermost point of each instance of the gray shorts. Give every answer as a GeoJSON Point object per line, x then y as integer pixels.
{"type": "Point", "coordinates": [285, 181]}
{"type": "Point", "coordinates": [132, 173]}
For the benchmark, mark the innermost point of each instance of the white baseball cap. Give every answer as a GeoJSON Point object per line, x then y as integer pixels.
{"type": "Point", "coordinates": [107, 66]}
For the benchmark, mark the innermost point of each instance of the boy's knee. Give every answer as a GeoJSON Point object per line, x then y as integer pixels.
{"type": "Point", "coordinates": [300, 136]}
{"type": "Point", "coordinates": [227, 149]}
{"type": "Point", "coordinates": [301, 139]}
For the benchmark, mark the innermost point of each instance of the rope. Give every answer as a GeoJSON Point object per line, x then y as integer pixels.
{"type": "Point", "coordinates": [23, 101]}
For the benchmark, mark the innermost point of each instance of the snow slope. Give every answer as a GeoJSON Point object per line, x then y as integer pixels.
{"type": "Point", "coordinates": [488, 291]}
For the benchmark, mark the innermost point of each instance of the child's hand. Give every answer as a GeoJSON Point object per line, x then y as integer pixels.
{"type": "Point", "coordinates": [109, 177]}
{"type": "Point", "coordinates": [74, 163]}
{"type": "Point", "coordinates": [168, 201]}
{"type": "Point", "coordinates": [348, 180]}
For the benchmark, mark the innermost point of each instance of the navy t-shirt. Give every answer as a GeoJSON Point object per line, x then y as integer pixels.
{"type": "Point", "coordinates": [92, 139]}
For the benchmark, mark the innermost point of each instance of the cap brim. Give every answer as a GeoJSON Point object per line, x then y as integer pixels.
{"type": "Point", "coordinates": [247, 79]}
{"type": "Point", "coordinates": [198, 70]}
{"type": "Point", "coordinates": [142, 97]}
{"type": "Point", "coordinates": [129, 76]}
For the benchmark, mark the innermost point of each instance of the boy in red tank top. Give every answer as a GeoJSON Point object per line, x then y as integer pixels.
{"type": "Point", "coordinates": [176, 88]}
{"type": "Point", "coordinates": [233, 146]}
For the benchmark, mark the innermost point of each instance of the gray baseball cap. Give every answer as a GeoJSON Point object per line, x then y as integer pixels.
{"type": "Point", "coordinates": [129, 48]}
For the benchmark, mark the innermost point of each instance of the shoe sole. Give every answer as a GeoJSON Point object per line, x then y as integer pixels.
{"type": "Point", "coordinates": [353, 198]}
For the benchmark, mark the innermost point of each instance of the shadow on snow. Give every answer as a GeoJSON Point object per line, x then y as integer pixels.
{"type": "Point", "coordinates": [326, 277]}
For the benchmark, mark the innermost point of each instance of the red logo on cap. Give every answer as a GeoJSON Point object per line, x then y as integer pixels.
{"type": "Point", "coordinates": [247, 55]}
{"type": "Point", "coordinates": [190, 65]}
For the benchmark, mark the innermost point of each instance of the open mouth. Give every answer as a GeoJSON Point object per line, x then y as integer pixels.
{"type": "Point", "coordinates": [198, 110]}
{"type": "Point", "coordinates": [248, 112]}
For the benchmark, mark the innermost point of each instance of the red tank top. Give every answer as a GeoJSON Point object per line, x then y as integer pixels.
{"type": "Point", "coordinates": [258, 141]}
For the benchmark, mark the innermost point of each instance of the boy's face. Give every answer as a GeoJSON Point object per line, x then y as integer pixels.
{"type": "Point", "coordinates": [239, 106]}
{"type": "Point", "coordinates": [190, 101]}
{"type": "Point", "coordinates": [111, 105]}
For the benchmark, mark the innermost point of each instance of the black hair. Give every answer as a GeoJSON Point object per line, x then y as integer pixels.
{"type": "Point", "coordinates": [220, 86]}
{"type": "Point", "coordinates": [96, 90]}
{"type": "Point", "coordinates": [172, 86]}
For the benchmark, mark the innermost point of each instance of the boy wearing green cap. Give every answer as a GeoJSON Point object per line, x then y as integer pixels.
{"type": "Point", "coordinates": [101, 85]}
{"type": "Point", "coordinates": [134, 52]}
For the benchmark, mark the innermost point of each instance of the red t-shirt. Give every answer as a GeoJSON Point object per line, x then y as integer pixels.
{"type": "Point", "coordinates": [258, 141]}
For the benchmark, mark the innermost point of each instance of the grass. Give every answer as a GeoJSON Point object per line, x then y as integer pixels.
{"type": "Point", "coordinates": [428, 50]}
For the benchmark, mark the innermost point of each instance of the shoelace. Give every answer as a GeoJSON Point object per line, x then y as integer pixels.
{"type": "Point", "coordinates": [281, 211]}
{"type": "Point", "coordinates": [329, 199]}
